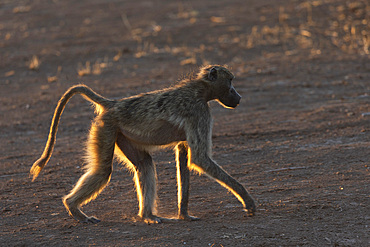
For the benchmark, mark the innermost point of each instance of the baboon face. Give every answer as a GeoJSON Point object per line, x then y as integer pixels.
{"type": "Point", "coordinates": [225, 92]}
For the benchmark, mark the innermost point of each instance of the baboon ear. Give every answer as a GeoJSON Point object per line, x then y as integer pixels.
{"type": "Point", "coordinates": [212, 75]}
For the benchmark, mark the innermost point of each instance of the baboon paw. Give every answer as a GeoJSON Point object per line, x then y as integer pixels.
{"type": "Point", "coordinates": [92, 220]}
{"type": "Point", "coordinates": [188, 217]}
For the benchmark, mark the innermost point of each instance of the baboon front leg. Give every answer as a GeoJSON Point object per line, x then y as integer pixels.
{"type": "Point", "coordinates": [215, 171]}
{"type": "Point", "coordinates": [183, 177]}
{"type": "Point", "coordinates": [145, 178]}
{"type": "Point", "coordinates": [199, 141]}
{"type": "Point", "coordinates": [99, 168]}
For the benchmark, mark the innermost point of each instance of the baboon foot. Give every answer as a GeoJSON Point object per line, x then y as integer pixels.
{"type": "Point", "coordinates": [153, 219]}
{"type": "Point", "coordinates": [187, 217]}
{"type": "Point", "coordinates": [85, 219]}
{"type": "Point", "coordinates": [82, 218]}
{"type": "Point", "coordinates": [90, 219]}
{"type": "Point", "coordinates": [77, 214]}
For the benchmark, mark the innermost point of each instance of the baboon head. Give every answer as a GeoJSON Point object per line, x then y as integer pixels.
{"type": "Point", "coordinates": [222, 89]}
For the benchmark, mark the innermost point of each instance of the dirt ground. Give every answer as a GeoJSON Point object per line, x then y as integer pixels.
{"type": "Point", "coordinates": [299, 141]}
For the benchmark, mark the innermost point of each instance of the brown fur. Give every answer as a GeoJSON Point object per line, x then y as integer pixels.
{"type": "Point", "coordinates": [132, 127]}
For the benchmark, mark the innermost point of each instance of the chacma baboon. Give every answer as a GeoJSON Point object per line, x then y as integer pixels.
{"type": "Point", "coordinates": [130, 128]}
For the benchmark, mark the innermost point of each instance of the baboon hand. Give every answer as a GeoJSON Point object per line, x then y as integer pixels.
{"type": "Point", "coordinates": [250, 208]}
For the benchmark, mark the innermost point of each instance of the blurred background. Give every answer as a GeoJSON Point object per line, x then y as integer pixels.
{"type": "Point", "coordinates": [66, 41]}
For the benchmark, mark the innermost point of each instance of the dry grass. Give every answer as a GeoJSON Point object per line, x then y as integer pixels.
{"type": "Point", "coordinates": [95, 69]}
{"type": "Point", "coordinates": [313, 26]}
{"type": "Point", "coordinates": [309, 27]}
{"type": "Point", "coordinates": [346, 27]}
{"type": "Point", "coordinates": [34, 63]}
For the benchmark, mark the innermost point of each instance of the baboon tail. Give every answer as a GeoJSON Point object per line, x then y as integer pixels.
{"type": "Point", "coordinates": [88, 94]}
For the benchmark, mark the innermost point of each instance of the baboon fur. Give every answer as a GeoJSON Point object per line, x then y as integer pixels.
{"type": "Point", "coordinates": [132, 127]}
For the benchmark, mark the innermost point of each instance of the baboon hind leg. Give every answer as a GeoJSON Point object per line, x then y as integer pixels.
{"type": "Point", "coordinates": [145, 178]}
{"type": "Point", "coordinates": [183, 181]}
{"type": "Point", "coordinates": [98, 171]}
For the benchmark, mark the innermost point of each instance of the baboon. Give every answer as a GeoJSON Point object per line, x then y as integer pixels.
{"type": "Point", "coordinates": [132, 127]}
